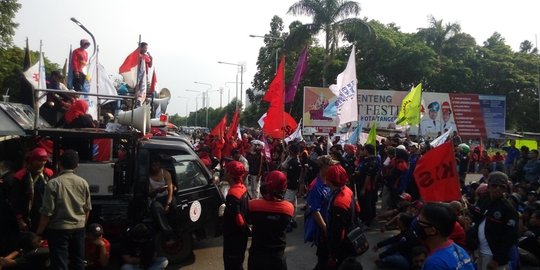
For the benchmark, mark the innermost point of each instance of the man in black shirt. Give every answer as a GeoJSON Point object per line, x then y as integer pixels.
{"type": "Point", "coordinates": [292, 167]}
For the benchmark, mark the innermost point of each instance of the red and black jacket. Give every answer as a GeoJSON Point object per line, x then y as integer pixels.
{"type": "Point", "coordinates": [235, 210]}
{"type": "Point", "coordinates": [269, 220]}
{"type": "Point", "coordinates": [339, 218]}
{"type": "Point", "coordinates": [23, 196]}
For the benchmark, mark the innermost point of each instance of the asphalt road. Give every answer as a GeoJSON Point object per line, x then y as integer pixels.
{"type": "Point", "coordinates": [300, 255]}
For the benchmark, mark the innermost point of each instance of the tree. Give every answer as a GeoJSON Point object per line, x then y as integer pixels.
{"type": "Point", "coordinates": [8, 9]}
{"type": "Point", "coordinates": [326, 16]}
{"type": "Point", "coordinates": [437, 34]}
{"type": "Point", "coordinates": [11, 68]}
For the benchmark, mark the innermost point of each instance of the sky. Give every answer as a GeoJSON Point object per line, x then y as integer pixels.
{"type": "Point", "coordinates": [188, 38]}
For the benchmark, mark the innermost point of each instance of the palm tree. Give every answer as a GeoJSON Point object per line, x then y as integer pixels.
{"type": "Point", "coordinates": [330, 17]}
{"type": "Point", "coordinates": [437, 34]}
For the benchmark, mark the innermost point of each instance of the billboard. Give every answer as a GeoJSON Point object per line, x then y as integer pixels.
{"type": "Point", "coordinates": [472, 115]}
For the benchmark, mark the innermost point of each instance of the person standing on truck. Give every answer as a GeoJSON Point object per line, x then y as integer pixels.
{"type": "Point", "coordinates": [65, 210]}
{"type": "Point", "coordinates": [79, 60]}
{"type": "Point", "coordinates": [270, 217]}
{"type": "Point", "coordinates": [235, 228]}
{"type": "Point", "coordinates": [161, 193]}
{"type": "Point", "coordinates": [28, 187]}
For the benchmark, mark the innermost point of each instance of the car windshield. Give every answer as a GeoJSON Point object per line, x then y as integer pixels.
{"type": "Point", "coordinates": [189, 174]}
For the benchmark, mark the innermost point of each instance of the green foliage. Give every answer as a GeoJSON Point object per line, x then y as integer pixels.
{"type": "Point", "coordinates": [11, 68]}
{"type": "Point", "coordinates": [8, 9]}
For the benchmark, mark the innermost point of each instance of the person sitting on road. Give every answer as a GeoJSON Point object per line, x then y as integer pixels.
{"type": "Point", "coordinates": [160, 190]}
{"type": "Point", "coordinates": [397, 247]}
{"type": "Point", "coordinates": [97, 249]}
{"type": "Point", "coordinates": [139, 251]}
{"type": "Point", "coordinates": [29, 256]}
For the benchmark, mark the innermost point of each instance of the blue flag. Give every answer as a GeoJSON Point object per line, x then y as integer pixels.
{"type": "Point", "coordinates": [356, 134]}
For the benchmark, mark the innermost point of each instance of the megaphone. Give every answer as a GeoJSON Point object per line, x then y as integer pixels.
{"type": "Point", "coordinates": [163, 100]}
{"type": "Point", "coordinates": [141, 118]}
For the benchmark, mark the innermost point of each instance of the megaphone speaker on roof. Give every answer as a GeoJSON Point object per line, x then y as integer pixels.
{"type": "Point", "coordinates": [141, 118]}
{"type": "Point", "coordinates": [163, 100]}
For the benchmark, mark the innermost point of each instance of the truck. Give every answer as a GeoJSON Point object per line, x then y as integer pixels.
{"type": "Point", "coordinates": [119, 184]}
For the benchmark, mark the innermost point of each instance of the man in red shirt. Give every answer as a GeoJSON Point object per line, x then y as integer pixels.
{"type": "Point", "coordinates": [79, 59]}
{"type": "Point", "coordinates": [97, 248]}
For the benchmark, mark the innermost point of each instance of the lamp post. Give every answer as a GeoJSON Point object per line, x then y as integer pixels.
{"type": "Point", "coordinates": [196, 103]}
{"type": "Point", "coordinates": [187, 103]}
{"type": "Point", "coordinates": [271, 38]}
{"type": "Point", "coordinates": [241, 66]}
{"type": "Point", "coordinates": [205, 98]}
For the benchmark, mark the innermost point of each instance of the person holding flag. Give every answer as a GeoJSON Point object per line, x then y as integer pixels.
{"type": "Point", "coordinates": [79, 60]}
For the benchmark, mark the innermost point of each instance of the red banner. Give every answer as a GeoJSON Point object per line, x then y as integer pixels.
{"type": "Point", "coordinates": [436, 175]}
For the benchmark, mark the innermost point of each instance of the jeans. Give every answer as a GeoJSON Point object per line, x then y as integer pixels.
{"type": "Point", "coordinates": [396, 261]}
{"type": "Point", "coordinates": [254, 185]}
{"type": "Point", "coordinates": [66, 249]}
{"type": "Point", "coordinates": [159, 263]}
{"type": "Point", "coordinates": [483, 260]}
{"type": "Point", "coordinates": [158, 209]}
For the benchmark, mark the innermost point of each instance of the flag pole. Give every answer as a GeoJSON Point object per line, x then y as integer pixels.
{"type": "Point", "coordinates": [420, 112]}
{"type": "Point", "coordinates": [97, 84]}
{"type": "Point", "coordinates": [36, 92]}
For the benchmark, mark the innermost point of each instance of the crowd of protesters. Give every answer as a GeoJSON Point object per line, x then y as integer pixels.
{"type": "Point", "coordinates": [495, 225]}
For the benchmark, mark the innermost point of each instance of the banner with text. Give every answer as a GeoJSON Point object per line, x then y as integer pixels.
{"type": "Point", "coordinates": [472, 115]}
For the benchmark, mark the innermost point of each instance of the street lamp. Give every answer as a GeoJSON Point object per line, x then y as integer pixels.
{"type": "Point", "coordinates": [241, 66]}
{"type": "Point", "coordinates": [205, 98]}
{"type": "Point", "coordinates": [271, 38]}
{"type": "Point", "coordinates": [187, 114]}
{"type": "Point", "coordinates": [196, 103]}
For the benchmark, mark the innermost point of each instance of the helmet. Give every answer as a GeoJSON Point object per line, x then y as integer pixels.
{"type": "Point", "coordinates": [275, 183]}
{"type": "Point", "coordinates": [337, 175]}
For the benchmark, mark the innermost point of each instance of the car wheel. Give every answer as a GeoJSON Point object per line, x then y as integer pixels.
{"type": "Point", "coordinates": [177, 249]}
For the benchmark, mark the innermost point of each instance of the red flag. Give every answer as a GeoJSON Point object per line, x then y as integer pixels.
{"type": "Point", "coordinates": [219, 129]}
{"type": "Point", "coordinates": [436, 175]}
{"type": "Point", "coordinates": [233, 127]}
{"type": "Point", "coordinates": [276, 89]}
{"type": "Point", "coordinates": [128, 69]}
{"type": "Point", "coordinates": [153, 82]}
{"type": "Point", "coordinates": [278, 123]}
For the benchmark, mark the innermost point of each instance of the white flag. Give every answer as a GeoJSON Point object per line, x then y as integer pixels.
{"type": "Point", "coordinates": [346, 93]}
{"type": "Point", "coordinates": [441, 139]}
{"type": "Point", "coordinates": [36, 76]}
{"type": "Point", "coordinates": [297, 134]}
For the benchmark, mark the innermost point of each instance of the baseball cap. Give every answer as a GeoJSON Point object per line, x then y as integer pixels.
{"type": "Point", "coordinates": [497, 178]}
{"type": "Point", "coordinates": [434, 106]}
{"type": "Point", "coordinates": [38, 153]}
{"type": "Point", "coordinates": [95, 229]}
{"type": "Point", "coordinates": [406, 196]}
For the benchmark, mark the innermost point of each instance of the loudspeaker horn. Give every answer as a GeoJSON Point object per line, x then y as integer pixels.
{"type": "Point", "coordinates": [163, 100]}
{"type": "Point", "coordinates": [141, 118]}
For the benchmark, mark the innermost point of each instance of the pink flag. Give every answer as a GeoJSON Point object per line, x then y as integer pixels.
{"type": "Point", "coordinates": [301, 67]}
{"type": "Point", "coordinates": [267, 154]}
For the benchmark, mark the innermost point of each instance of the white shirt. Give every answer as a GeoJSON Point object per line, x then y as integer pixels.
{"type": "Point", "coordinates": [483, 245]}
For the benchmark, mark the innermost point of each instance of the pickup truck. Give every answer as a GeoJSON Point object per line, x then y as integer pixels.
{"type": "Point", "coordinates": [119, 185]}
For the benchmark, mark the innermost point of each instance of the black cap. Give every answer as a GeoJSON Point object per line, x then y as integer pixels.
{"type": "Point", "coordinates": [95, 229]}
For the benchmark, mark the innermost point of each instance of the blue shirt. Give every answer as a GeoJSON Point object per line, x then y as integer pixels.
{"type": "Point", "coordinates": [512, 154]}
{"type": "Point", "coordinates": [315, 198]}
{"type": "Point", "coordinates": [452, 257]}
